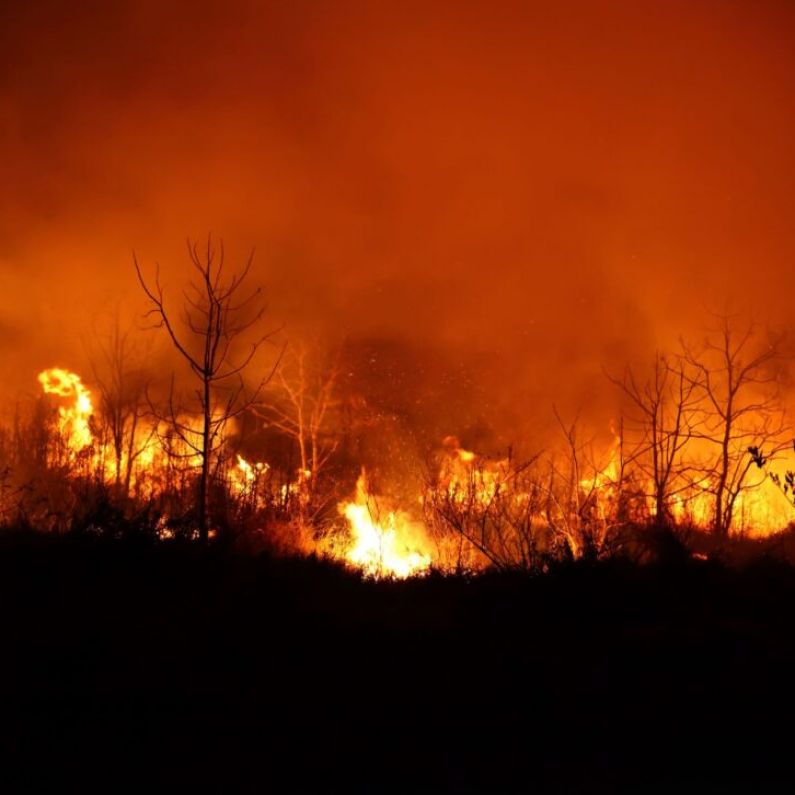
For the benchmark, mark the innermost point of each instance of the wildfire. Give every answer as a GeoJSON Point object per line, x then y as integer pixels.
{"type": "Point", "coordinates": [476, 501]}
{"type": "Point", "coordinates": [464, 475]}
{"type": "Point", "coordinates": [763, 510]}
{"type": "Point", "coordinates": [244, 477]}
{"type": "Point", "coordinates": [152, 450]}
{"type": "Point", "coordinates": [73, 420]}
{"type": "Point", "coordinates": [396, 546]}
{"type": "Point", "coordinates": [760, 510]}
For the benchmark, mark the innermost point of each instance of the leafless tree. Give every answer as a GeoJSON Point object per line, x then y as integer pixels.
{"type": "Point", "coordinates": [735, 374]}
{"type": "Point", "coordinates": [121, 377]}
{"type": "Point", "coordinates": [663, 416]}
{"type": "Point", "coordinates": [302, 409]}
{"type": "Point", "coordinates": [485, 511]}
{"type": "Point", "coordinates": [584, 498]}
{"type": "Point", "coordinates": [217, 314]}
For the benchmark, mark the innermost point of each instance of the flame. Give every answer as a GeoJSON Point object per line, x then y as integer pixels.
{"type": "Point", "coordinates": [152, 454]}
{"type": "Point", "coordinates": [392, 542]}
{"type": "Point", "coordinates": [606, 477]}
{"type": "Point", "coordinates": [73, 420]}
{"type": "Point", "coordinates": [465, 476]}
{"type": "Point", "coordinates": [396, 547]}
{"type": "Point", "coordinates": [244, 477]}
{"type": "Point", "coordinates": [762, 510]}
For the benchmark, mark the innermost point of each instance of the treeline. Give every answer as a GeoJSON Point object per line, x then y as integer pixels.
{"type": "Point", "coordinates": [257, 442]}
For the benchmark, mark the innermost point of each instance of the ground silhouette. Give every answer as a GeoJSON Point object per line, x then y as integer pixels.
{"type": "Point", "coordinates": [180, 668]}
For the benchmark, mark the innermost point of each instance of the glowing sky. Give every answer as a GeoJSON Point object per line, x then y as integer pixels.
{"type": "Point", "coordinates": [544, 187]}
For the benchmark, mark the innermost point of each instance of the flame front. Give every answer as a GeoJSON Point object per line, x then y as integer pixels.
{"type": "Point", "coordinates": [475, 511]}
{"type": "Point", "coordinates": [395, 547]}
{"type": "Point", "coordinates": [73, 420]}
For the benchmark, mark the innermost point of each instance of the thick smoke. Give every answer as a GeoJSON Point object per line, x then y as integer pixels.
{"type": "Point", "coordinates": [512, 196]}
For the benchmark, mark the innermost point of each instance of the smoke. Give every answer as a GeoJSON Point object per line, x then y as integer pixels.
{"type": "Point", "coordinates": [524, 194]}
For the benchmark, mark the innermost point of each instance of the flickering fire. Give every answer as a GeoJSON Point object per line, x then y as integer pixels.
{"type": "Point", "coordinates": [464, 475]}
{"type": "Point", "coordinates": [153, 449]}
{"type": "Point", "coordinates": [244, 477]}
{"type": "Point", "coordinates": [392, 546]}
{"type": "Point", "coordinates": [386, 540]}
{"type": "Point", "coordinates": [74, 417]}
{"type": "Point", "coordinates": [760, 509]}
{"type": "Point", "coordinates": [763, 510]}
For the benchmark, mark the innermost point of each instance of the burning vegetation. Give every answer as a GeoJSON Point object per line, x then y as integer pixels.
{"type": "Point", "coordinates": [266, 446]}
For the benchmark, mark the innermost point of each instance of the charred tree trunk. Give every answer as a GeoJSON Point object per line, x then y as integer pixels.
{"type": "Point", "coordinates": [204, 477]}
{"type": "Point", "coordinates": [722, 504]}
{"type": "Point", "coordinates": [215, 316]}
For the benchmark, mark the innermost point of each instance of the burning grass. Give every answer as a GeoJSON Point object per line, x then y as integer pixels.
{"type": "Point", "coordinates": [73, 461]}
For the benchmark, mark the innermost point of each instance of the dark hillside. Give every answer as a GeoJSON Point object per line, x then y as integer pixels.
{"type": "Point", "coordinates": [177, 668]}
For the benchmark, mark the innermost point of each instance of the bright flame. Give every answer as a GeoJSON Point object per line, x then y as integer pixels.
{"type": "Point", "coordinates": [397, 547]}
{"type": "Point", "coordinates": [392, 543]}
{"type": "Point", "coordinates": [152, 454]}
{"type": "Point", "coordinates": [73, 419]}
{"type": "Point", "coordinates": [465, 476]}
{"type": "Point", "coordinates": [244, 477]}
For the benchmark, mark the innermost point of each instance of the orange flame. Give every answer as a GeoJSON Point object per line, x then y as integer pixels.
{"type": "Point", "coordinates": [73, 419]}
{"type": "Point", "coordinates": [396, 547]}
{"type": "Point", "coordinates": [392, 542]}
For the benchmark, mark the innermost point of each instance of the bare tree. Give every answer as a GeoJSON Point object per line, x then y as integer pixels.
{"type": "Point", "coordinates": [117, 363]}
{"type": "Point", "coordinates": [302, 409]}
{"type": "Point", "coordinates": [216, 314]}
{"type": "Point", "coordinates": [663, 417]}
{"type": "Point", "coordinates": [488, 509]}
{"type": "Point", "coordinates": [735, 374]}
{"type": "Point", "coordinates": [582, 497]}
